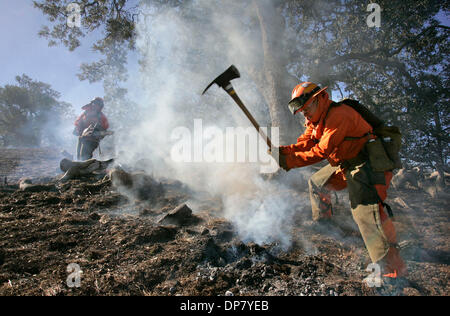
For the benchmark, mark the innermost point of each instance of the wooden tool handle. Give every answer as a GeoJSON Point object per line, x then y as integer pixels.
{"type": "Point", "coordinates": [230, 90]}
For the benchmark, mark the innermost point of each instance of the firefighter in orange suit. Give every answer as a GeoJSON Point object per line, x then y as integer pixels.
{"type": "Point", "coordinates": [339, 134]}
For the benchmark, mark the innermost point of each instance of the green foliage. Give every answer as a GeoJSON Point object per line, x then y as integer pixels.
{"type": "Point", "coordinates": [399, 70]}
{"type": "Point", "coordinates": [114, 19]}
{"type": "Point", "coordinates": [25, 108]}
{"type": "Point", "coordinates": [111, 16]}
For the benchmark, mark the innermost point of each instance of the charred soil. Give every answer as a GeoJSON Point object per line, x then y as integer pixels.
{"type": "Point", "coordinates": [125, 246]}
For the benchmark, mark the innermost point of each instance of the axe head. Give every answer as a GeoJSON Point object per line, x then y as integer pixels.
{"type": "Point", "coordinates": [224, 79]}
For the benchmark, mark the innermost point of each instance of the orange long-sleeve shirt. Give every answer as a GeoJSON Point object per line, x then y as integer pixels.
{"type": "Point", "coordinates": [325, 139]}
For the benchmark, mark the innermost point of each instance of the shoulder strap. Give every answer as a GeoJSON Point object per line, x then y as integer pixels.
{"type": "Point", "coordinates": [366, 114]}
{"type": "Point", "coordinates": [346, 102]}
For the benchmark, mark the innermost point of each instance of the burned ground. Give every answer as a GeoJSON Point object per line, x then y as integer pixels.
{"type": "Point", "coordinates": [124, 247]}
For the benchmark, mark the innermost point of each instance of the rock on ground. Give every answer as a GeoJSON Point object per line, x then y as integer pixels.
{"type": "Point", "coordinates": [121, 248]}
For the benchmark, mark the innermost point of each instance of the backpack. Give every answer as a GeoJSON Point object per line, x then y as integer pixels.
{"type": "Point", "coordinates": [390, 136]}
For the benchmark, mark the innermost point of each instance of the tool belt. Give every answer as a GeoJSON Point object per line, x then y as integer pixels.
{"type": "Point", "coordinates": [374, 151]}
{"type": "Point", "coordinates": [360, 158]}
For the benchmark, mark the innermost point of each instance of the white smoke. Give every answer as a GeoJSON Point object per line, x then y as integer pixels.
{"type": "Point", "coordinates": [261, 212]}
{"type": "Point", "coordinates": [182, 51]}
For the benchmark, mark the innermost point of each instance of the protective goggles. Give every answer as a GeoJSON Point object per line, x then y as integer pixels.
{"type": "Point", "coordinates": [298, 103]}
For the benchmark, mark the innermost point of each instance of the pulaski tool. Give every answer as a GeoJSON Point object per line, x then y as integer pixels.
{"type": "Point", "coordinates": [223, 81]}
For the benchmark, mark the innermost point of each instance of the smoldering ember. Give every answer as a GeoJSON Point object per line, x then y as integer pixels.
{"type": "Point", "coordinates": [187, 148]}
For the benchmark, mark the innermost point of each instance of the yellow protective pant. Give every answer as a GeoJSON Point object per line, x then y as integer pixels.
{"type": "Point", "coordinates": [366, 188]}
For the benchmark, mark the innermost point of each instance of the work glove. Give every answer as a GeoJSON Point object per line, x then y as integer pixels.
{"type": "Point", "coordinates": [286, 150]}
{"type": "Point", "coordinates": [279, 157]}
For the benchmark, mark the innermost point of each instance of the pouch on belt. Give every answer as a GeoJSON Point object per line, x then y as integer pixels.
{"type": "Point", "coordinates": [378, 157]}
{"type": "Point", "coordinates": [392, 141]}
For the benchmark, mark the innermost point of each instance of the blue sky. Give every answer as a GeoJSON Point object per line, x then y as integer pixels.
{"type": "Point", "coordinates": [22, 51]}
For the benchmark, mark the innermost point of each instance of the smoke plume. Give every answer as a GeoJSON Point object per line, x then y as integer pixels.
{"type": "Point", "coordinates": [181, 52]}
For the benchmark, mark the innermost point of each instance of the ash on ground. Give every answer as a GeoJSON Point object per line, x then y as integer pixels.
{"type": "Point", "coordinates": [155, 243]}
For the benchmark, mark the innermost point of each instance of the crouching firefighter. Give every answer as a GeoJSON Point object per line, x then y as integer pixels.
{"type": "Point", "coordinates": [357, 161]}
{"type": "Point", "coordinates": [90, 127]}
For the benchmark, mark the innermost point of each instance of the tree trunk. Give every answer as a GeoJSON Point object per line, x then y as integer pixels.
{"type": "Point", "coordinates": [275, 83]}
{"type": "Point", "coordinates": [440, 163]}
